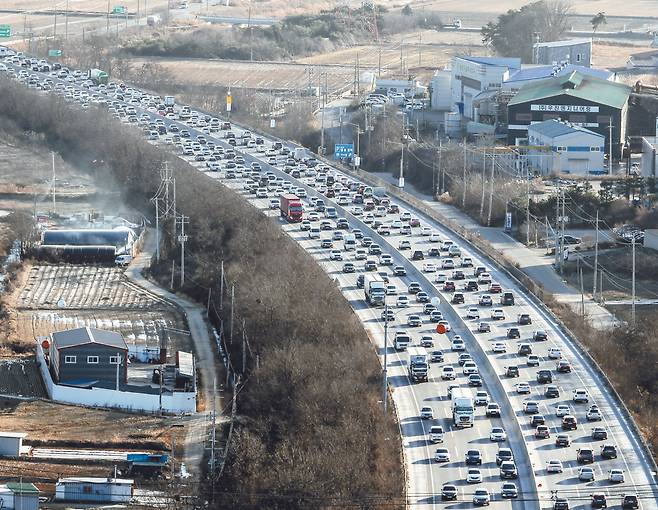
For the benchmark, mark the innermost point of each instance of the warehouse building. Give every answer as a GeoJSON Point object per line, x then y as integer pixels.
{"type": "Point", "coordinates": [572, 51]}
{"type": "Point", "coordinates": [88, 357]}
{"type": "Point", "coordinates": [11, 444]}
{"type": "Point", "coordinates": [519, 78]}
{"type": "Point", "coordinates": [87, 245]}
{"type": "Point", "coordinates": [568, 149]}
{"type": "Point", "coordinates": [19, 496]}
{"type": "Point", "coordinates": [649, 162]}
{"type": "Point", "coordinates": [580, 99]}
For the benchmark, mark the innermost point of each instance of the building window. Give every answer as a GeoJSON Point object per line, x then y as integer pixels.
{"type": "Point", "coordinates": [70, 359]}
{"type": "Point", "coordinates": [595, 149]}
{"type": "Point", "coordinates": [523, 117]}
{"type": "Point", "coordinates": [577, 119]}
{"type": "Point", "coordinates": [114, 360]}
{"type": "Point", "coordinates": [577, 57]}
{"type": "Point", "coordinates": [92, 360]}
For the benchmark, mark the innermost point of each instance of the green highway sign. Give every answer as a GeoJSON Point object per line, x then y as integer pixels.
{"type": "Point", "coordinates": [119, 9]}
{"type": "Point", "coordinates": [54, 53]}
{"type": "Point", "coordinates": [5, 30]}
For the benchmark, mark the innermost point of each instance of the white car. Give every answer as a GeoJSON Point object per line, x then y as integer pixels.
{"type": "Point", "coordinates": [616, 476]}
{"type": "Point", "coordinates": [436, 434]}
{"type": "Point", "coordinates": [402, 302]}
{"type": "Point", "coordinates": [523, 388]}
{"type": "Point", "coordinates": [426, 413]}
{"type": "Point", "coordinates": [458, 344]}
{"type": "Point", "coordinates": [498, 314]}
{"type": "Point", "coordinates": [391, 290]}
{"type": "Point", "coordinates": [357, 211]}
{"type": "Point", "coordinates": [482, 398]}
{"type": "Point", "coordinates": [562, 410]}
{"type": "Point", "coordinates": [445, 324]}
{"type": "Point", "coordinates": [335, 255]}
{"type": "Point", "coordinates": [447, 264]}
{"type": "Point", "coordinates": [470, 367]}
{"type": "Point", "coordinates": [473, 313]}
{"type": "Point", "coordinates": [497, 434]}
{"type": "Point", "coordinates": [448, 373]}
{"type": "Point", "coordinates": [442, 455]}
{"type": "Point", "coordinates": [580, 396]}
{"type": "Point", "coordinates": [586, 474]}
{"type": "Point", "coordinates": [440, 278]}
{"type": "Point", "coordinates": [360, 254]}
{"type": "Point", "coordinates": [554, 353]}
{"type": "Point", "coordinates": [593, 414]}
{"type": "Point", "coordinates": [385, 259]}
{"type": "Point", "coordinates": [404, 245]}
{"type": "Point", "coordinates": [405, 216]}
{"type": "Point", "coordinates": [429, 267]}
{"type": "Point", "coordinates": [554, 466]}
{"type": "Point", "coordinates": [473, 476]}
{"type": "Point", "coordinates": [314, 233]}
{"type": "Point", "coordinates": [396, 225]}
{"type": "Point", "coordinates": [435, 238]}
{"type": "Point", "coordinates": [499, 347]}
{"type": "Point", "coordinates": [313, 216]}
{"type": "Point", "coordinates": [425, 231]}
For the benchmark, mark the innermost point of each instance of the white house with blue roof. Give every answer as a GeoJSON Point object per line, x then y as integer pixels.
{"type": "Point", "coordinates": [473, 75]}
{"type": "Point", "coordinates": [560, 147]}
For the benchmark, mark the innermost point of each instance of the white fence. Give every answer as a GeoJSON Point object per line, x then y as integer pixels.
{"type": "Point", "coordinates": [176, 402]}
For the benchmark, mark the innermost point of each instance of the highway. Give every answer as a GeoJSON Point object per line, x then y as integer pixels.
{"type": "Point", "coordinates": [426, 477]}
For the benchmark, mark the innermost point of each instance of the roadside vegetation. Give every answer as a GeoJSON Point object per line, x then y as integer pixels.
{"type": "Point", "coordinates": [294, 36]}
{"type": "Point", "coordinates": [310, 431]}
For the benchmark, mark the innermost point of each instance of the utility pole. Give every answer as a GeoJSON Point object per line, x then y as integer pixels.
{"type": "Point", "coordinates": [491, 188]}
{"type": "Point", "coordinates": [385, 383]}
{"type": "Point", "coordinates": [464, 179]}
{"type": "Point", "coordinates": [182, 239]}
{"type": "Point", "coordinates": [557, 226]}
{"type": "Point", "coordinates": [596, 255]}
{"type": "Point", "coordinates": [582, 289]}
{"type": "Point", "coordinates": [232, 309]}
{"type": "Point", "coordinates": [633, 282]}
{"type": "Point", "coordinates": [221, 289]}
{"type": "Point", "coordinates": [440, 169]}
{"type": "Point", "coordinates": [213, 429]}
{"type": "Point", "coordinates": [324, 104]}
{"type": "Point", "coordinates": [527, 195]}
{"type": "Point", "coordinates": [562, 233]}
{"type": "Point", "coordinates": [484, 170]}
{"type": "Point", "coordinates": [610, 147]}
{"type": "Point", "coordinates": [244, 349]}
{"type": "Point", "coordinates": [66, 22]}
{"type": "Point", "coordinates": [54, 184]}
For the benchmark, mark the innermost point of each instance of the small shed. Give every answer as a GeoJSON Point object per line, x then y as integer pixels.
{"type": "Point", "coordinates": [11, 443]}
{"type": "Point", "coordinates": [108, 490]}
{"type": "Point", "coordinates": [15, 496]}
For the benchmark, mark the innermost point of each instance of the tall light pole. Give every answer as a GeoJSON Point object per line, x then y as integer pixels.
{"type": "Point", "coordinates": [385, 382]}
{"type": "Point", "coordinates": [633, 282]}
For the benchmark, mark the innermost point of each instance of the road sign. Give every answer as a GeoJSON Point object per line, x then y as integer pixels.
{"type": "Point", "coordinates": [5, 30]}
{"type": "Point", "coordinates": [343, 150]}
{"type": "Point", "coordinates": [508, 222]}
{"type": "Point", "coordinates": [119, 9]}
{"type": "Point", "coordinates": [229, 102]}
{"type": "Point", "coordinates": [54, 53]}
{"type": "Point", "coordinates": [440, 328]}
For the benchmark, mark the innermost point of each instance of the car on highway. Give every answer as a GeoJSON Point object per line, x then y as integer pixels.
{"type": "Point", "coordinates": [509, 490]}
{"type": "Point", "coordinates": [598, 500]}
{"type": "Point", "coordinates": [426, 413]}
{"type": "Point", "coordinates": [484, 327]}
{"type": "Point", "coordinates": [485, 300]}
{"type": "Point", "coordinates": [542, 432]}
{"type": "Point", "coordinates": [540, 335]}
{"type": "Point", "coordinates": [448, 492]}
{"type": "Point", "coordinates": [447, 264]}
{"type": "Point", "coordinates": [402, 302]}
{"type": "Point", "coordinates": [348, 267]}
{"type": "Point", "coordinates": [499, 347]}
{"type": "Point", "coordinates": [475, 380]}
{"type": "Point", "coordinates": [473, 313]}
{"type": "Point", "coordinates": [513, 333]}
{"type": "Point", "coordinates": [498, 314]}
{"type": "Point", "coordinates": [533, 360]}
{"type": "Point", "coordinates": [537, 419]}
{"type": "Point", "coordinates": [473, 475]}
{"type": "Point", "coordinates": [449, 286]}
{"type": "Point", "coordinates": [508, 470]}
{"type": "Point", "coordinates": [562, 410]}
{"type": "Point", "coordinates": [630, 501]}
{"type": "Point", "coordinates": [429, 267]}
{"type": "Point", "coordinates": [493, 410]}
{"type": "Point", "coordinates": [436, 434]}
{"type": "Point", "coordinates": [584, 455]}
{"type": "Point", "coordinates": [448, 373]}
{"type": "Point", "coordinates": [497, 434]}
{"type": "Point", "coordinates": [426, 341]}
{"type": "Point", "coordinates": [586, 474]}
{"type": "Point", "coordinates": [436, 357]}
{"type": "Point", "coordinates": [530, 407]}
{"type": "Point", "coordinates": [616, 476]}
{"type": "Point", "coordinates": [554, 353]}
{"type": "Point", "coordinates": [593, 413]}
{"type": "Point", "coordinates": [469, 366]}
{"type": "Point", "coordinates": [554, 466]}
{"type": "Point", "coordinates": [414, 321]}
{"type": "Point", "coordinates": [414, 288]}
{"type": "Point", "coordinates": [504, 455]}
{"type": "Point", "coordinates": [523, 319]}
{"type": "Point", "coordinates": [458, 344]}
{"type": "Point", "coordinates": [481, 497]}
{"type": "Point", "coordinates": [569, 422]}
{"type": "Point", "coordinates": [399, 271]}
{"type": "Point", "coordinates": [552, 391]}
{"type": "Point", "coordinates": [473, 457]}
{"type": "Point", "coordinates": [599, 434]}
{"type": "Point", "coordinates": [544, 377]}
{"type": "Point", "coordinates": [608, 451]}
{"type": "Point", "coordinates": [387, 315]}
{"type": "Point", "coordinates": [457, 298]}
{"type": "Point", "coordinates": [524, 349]}
{"type": "Point", "coordinates": [523, 389]}
{"type": "Point", "coordinates": [422, 297]}
{"type": "Point", "coordinates": [561, 504]}
{"type": "Point", "coordinates": [481, 398]}
{"type": "Point", "coordinates": [335, 255]}
{"type": "Point", "coordinates": [562, 440]}
{"type": "Point", "coordinates": [442, 455]}
{"type": "Point", "coordinates": [563, 366]}
{"type": "Point", "coordinates": [580, 396]}
{"type": "Point", "coordinates": [512, 371]}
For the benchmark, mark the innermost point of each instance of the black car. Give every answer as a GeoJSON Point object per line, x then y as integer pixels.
{"type": "Point", "coordinates": [473, 457]}
{"type": "Point", "coordinates": [524, 319]}
{"type": "Point", "coordinates": [544, 377]}
{"type": "Point", "coordinates": [630, 501]}
{"type": "Point", "coordinates": [422, 297]}
{"type": "Point", "coordinates": [475, 380]}
{"type": "Point", "coordinates": [457, 298]}
{"type": "Point", "coordinates": [436, 357]}
{"type": "Point", "coordinates": [471, 286]}
{"type": "Point", "coordinates": [508, 470]}
{"type": "Point", "coordinates": [503, 455]}
{"type": "Point", "coordinates": [418, 255]}
{"type": "Point", "coordinates": [599, 434]}
{"type": "Point", "coordinates": [524, 350]}
{"type": "Point", "coordinates": [399, 271]}
{"type": "Point", "coordinates": [585, 456]}
{"type": "Point", "coordinates": [433, 252]}
{"type": "Point", "coordinates": [448, 492]}
{"type": "Point", "coordinates": [512, 371]}
{"type": "Point", "coordinates": [552, 391]}
{"type": "Point", "coordinates": [540, 336]}
{"type": "Point", "coordinates": [561, 504]}
{"type": "Point", "coordinates": [513, 333]}
{"type": "Point", "coordinates": [569, 423]}
{"type": "Point", "coordinates": [537, 419]}
{"type": "Point", "coordinates": [599, 501]}
{"type": "Point", "coordinates": [609, 451]}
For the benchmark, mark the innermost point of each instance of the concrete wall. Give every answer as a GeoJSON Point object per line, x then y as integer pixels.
{"type": "Point", "coordinates": [175, 402]}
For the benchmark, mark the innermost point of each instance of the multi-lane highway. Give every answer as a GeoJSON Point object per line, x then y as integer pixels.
{"type": "Point", "coordinates": [529, 409]}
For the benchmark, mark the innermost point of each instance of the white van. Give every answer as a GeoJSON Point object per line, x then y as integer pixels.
{"type": "Point", "coordinates": [123, 260]}
{"type": "Point", "coordinates": [349, 242]}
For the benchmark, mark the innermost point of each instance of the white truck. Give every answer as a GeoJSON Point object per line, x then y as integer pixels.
{"type": "Point", "coordinates": [170, 101]}
{"type": "Point", "coordinates": [463, 408]}
{"type": "Point", "coordinates": [402, 340]}
{"type": "Point", "coordinates": [418, 364]}
{"type": "Point", "coordinates": [349, 242]}
{"type": "Point", "coordinates": [374, 289]}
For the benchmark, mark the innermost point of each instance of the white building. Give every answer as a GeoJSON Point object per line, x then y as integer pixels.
{"type": "Point", "coordinates": [571, 51]}
{"type": "Point", "coordinates": [568, 149]}
{"type": "Point", "coordinates": [11, 444]}
{"type": "Point", "coordinates": [440, 89]}
{"type": "Point", "coordinates": [107, 490]}
{"type": "Point", "coordinates": [649, 164]}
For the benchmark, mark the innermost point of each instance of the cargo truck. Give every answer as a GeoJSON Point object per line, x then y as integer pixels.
{"type": "Point", "coordinates": [374, 289]}
{"type": "Point", "coordinates": [291, 208]}
{"type": "Point", "coordinates": [98, 76]}
{"type": "Point", "coordinates": [462, 407]}
{"type": "Point", "coordinates": [418, 363]}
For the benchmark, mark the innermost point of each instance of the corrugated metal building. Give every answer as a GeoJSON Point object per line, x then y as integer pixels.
{"type": "Point", "coordinates": [19, 496]}
{"type": "Point", "coordinates": [87, 356]}
{"type": "Point", "coordinates": [108, 490]}
{"type": "Point", "coordinates": [572, 51]}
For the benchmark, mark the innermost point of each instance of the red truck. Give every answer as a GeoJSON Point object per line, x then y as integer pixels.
{"type": "Point", "coordinates": [291, 208]}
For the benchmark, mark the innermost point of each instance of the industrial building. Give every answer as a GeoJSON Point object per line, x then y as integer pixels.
{"type": "Point", "coordinates": [19, 496]}
{"type": "Point", "coordinates": [88, 489]}
{"type": "Point", "coordinates": [87, 245]}
{"type": "Point", "coordinates": [515, 80]}
{"type": "Point", "coordinates": [649, 162]}
{"type": "Point", "coordinates": [572, 51]}
{"type": "Point", "coordinates": [11, 444]}
{"type": "Point", "coordinates": [474, 75]}
{"type": "Point", "coordinates": [88, 356]}
{"type": "Point", "coordinates": [580, 99]}
{"type": "Point", "coordinates": [569, 149]}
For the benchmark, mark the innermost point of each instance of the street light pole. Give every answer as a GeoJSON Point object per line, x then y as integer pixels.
{"type": "Point", "coordinates": [385, 386]}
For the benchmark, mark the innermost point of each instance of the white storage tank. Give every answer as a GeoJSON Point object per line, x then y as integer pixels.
{"type": "Point", "coordinates": [441, 93]}
{"type": "Point", "coordinates": [452, 123]}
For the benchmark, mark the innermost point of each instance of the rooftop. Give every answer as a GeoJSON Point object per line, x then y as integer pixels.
{"type": "Point", "coordinates": [512, 63]}
{"type": "Point", "coordinates": [83, 336]}
{"type": "Point", "coordinates": [557, 44]}
{"type": "Point", "coordinates": [577, 85]}
{"type": "Point", "coordinates": [555, 128]}
{"type": "Point", "coordinates": [22, 488]}
{"type": "Point", "coordinates": [88, 479]}
{"type": "Point", "coordinates": [548, 71]}
{"type": "Point", "coordinates": [13, 434]}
